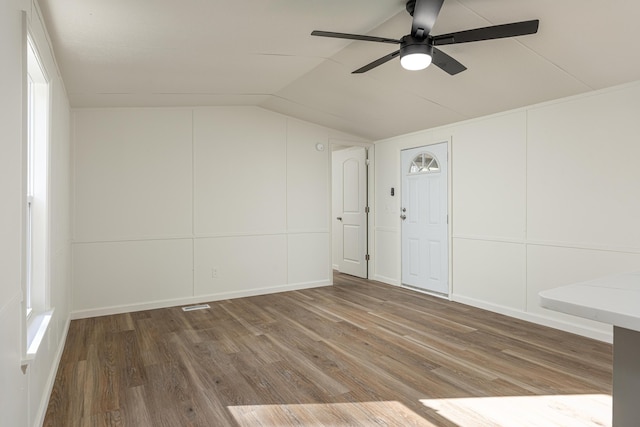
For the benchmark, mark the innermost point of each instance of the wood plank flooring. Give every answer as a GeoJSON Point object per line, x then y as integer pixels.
{"type": "Point", "coordinates": [358, 353]}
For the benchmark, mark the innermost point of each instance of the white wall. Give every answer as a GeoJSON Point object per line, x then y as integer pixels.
{"type": "Point", "coordinates": [24, 394]}
{"type": "Point", "coordinates": [542, 196]}
{"type": "Point", "coordinates": [174, 206]}
{"type": "Point", "coordinates": [13, 392]}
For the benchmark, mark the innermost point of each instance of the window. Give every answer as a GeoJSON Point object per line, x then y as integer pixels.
{"type": "Point", "coordinates": [424, 163]}
{"type": "Point", "coordinates": [36, 170]}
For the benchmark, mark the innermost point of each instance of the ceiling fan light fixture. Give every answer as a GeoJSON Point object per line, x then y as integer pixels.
{"type": "Point", "coordinates": [416, 57]}
{"type": "Point", "coordinates": [415, 61]}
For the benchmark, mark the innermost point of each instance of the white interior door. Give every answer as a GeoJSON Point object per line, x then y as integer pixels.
{"type": "Point", "coordinates": [425, 252]}
{"type": "Point", "coordinates": [349, 208]}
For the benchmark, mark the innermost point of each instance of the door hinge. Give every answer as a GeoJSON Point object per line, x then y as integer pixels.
{"type": "Point", "coordinates": [366, 209]}
{"type": "Point", "coordinates": [367, 162]}
{"type": "Point", "coordinates": [367, 257]}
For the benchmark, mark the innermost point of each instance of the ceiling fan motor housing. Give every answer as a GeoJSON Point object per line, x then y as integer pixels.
{"type": "Point", "coordinates": [412, 44]}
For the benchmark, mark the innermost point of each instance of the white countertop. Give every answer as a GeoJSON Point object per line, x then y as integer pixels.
{"type": "Point", "coordinates": [613, 299]}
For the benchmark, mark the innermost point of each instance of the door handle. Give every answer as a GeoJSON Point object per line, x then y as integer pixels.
{"type": "Point", "coordinates": [403, 217]}
{"type": "Point", "coordinates": [339, 218]}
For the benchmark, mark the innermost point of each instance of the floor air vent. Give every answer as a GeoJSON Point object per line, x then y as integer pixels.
{"type": "Point", "coordinates": [196, 307]}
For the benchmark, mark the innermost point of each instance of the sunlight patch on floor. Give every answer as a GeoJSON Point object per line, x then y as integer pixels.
{"type": "Point", "coordinates": [333, 414]}
{"type": "Point", "coordinates": [583, 410]}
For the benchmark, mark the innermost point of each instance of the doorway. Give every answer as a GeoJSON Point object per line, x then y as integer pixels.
{"type": "Point", "coordinates": [424, 214]}
{"type": "Point", "coordinates": [350, 210]}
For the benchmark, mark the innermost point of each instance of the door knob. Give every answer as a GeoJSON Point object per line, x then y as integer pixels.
{"type": "Point", "coordinates": [404, 209]}
{"type": "Point", "coordinates": [403, 217]}
{"type": "Point", "coordinates": [339, 218]}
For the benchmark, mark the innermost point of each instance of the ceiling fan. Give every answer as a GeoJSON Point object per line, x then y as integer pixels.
{"type": "Point", "coordinates": [417, 49]}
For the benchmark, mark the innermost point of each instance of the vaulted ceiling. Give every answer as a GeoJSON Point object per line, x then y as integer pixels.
{"type": "Point", "coordinates": [124, 53]}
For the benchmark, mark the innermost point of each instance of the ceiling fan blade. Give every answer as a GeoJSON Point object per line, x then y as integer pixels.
{"type": "Point", "coordinates": [354, 37]}
{"type": "Point", "coordinates": [424, 16]}
{"type": "Point", "coordinates": [447, 63]}
{"type": "Point", "coordinates": [377, 62]}
{"type": "Point", "coordinates": [488, 33]}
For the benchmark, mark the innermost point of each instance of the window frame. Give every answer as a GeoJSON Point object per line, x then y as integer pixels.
{"type": "Point", "coordinates": [36, 186]}
{"type": "Point", "coordinates": [31, 98]}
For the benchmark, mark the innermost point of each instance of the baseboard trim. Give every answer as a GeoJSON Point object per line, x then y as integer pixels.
{"type": "Point", "coordinates": [387, 280]}
{"type": "Point", "coordinates": [128, 308]}
{"type": "Point", "coordinates": [537, 318]}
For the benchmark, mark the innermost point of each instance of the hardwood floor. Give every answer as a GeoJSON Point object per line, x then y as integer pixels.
{"type": "Point", "coordinates": [358, 353]}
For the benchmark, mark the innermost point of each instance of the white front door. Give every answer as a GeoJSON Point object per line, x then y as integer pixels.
{"type": "Point", "coordinates": [425, 252]}
{"type": "Point", "coordinates": [349, 208]}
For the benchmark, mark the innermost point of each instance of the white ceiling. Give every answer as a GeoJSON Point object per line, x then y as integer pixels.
{"type": "Point", "coordinates": [122, 53]}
